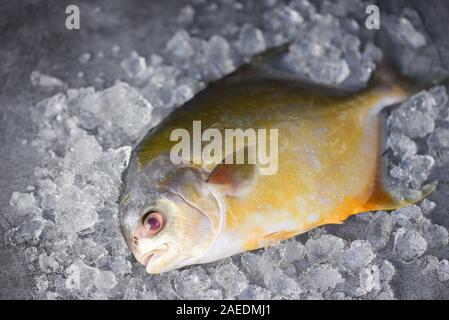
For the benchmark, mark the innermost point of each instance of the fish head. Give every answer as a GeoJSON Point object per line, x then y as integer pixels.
{"type": "Point", "coordinates": [169, 215]}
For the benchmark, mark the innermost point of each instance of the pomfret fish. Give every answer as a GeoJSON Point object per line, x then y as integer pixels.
{"type": "Point", "coordinates": [173, 215]}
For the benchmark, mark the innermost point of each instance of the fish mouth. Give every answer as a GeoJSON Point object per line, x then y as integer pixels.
{"type": "Point", "coordinates": [151, 257]}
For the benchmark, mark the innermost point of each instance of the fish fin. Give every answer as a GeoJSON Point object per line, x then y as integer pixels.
{"type": "Point", "coordinates": [382, 200]}
{"type": "Point", "coordinates": [275, 237]}
{"type": "Point", "coordinates": [270, 64]}
{"type": "Point", "coordinates": [234, 180]}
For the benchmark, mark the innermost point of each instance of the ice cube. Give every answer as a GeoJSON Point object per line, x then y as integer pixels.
{"type": "Point", "coordinates": [84, 58]}
{"type": "Point", "coordinates": [321, 64]}
{"type": "Point", "coordinates": [387, 271]}
{"type": "Point", "coordinates": [325, 249]}
{"type": "Point", "coordinates": [136, 290]}
{"type": "Point", "coordinates": [251, 40]}
{"type": "Point", "coordinates": [180, 45]}
{"type": "Point", "coordinates": [409, 245]}
{"type": "Point", "coordinates": [45, 81]}
{"type": "Point", "coordinates": [413, 170]}
{"type": "Point", "coordinates": [408, 35]}
{"type": "Point", "coordinates": [435, 235]}
{"type": "Point", "coordinates": [31, 254]}
{"type": "Point", "coordinates": [42, 282]}
{"type": "Point", "coordinates": [406, 40]}
{"type": "Point", "coordinates": [407, 215]}
{"type": "Point", "coordinates": [48, 263]}
{"type": "Point", "coordinates": [369, 279]}
{"type": "Point", "coordinates": [379, 229]}
{"type": "Point", "coordinates": [443, 270]}
{"type": "Point", "coordinates": [320, 278]}
{"type": "Point", "coordinates": [414, 117]}
{"type": "Point", "coordinates": [253, 265]}
{"type": "Point", "coordinates": [284, 21]}
{"type": "Point", "coordinates": [135, 66]}
{"type": "Point", "coordinates": [191, 282]}
{"type": "Point", "coordinates": [358, 256]}
{"type": "Point", "coordinates": [24, 204]}
{"type": "Point", "coordinates": [186, 15]}
{"type": "Point", "coordinates": [281, 285]}
{"type": "Point", "coordinates": [105, 281]}
{"type": "Point", "coordinates": [81, 276]}
{"type": "Point", "coordinates": [401, 145]}
{"type": "Point", "coordinates": [253, 292]}
{"type": "Point", "coordinates": [28, 232]}
{"type": "Point", "coordinates": [428, 264]}
{"type": "Point", "coordinates": [438, 143]}
{"type": "Point", "coordinates": [230, 278]}
{"type": "Point", "coordinates": [427, 206]}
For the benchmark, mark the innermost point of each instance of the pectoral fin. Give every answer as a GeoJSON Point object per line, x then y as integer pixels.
{"type": "Point", "coordinates": [234, 180]}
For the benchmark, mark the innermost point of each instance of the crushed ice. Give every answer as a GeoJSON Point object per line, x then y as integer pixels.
{"type": "Point", "coordinates": [67, 223]}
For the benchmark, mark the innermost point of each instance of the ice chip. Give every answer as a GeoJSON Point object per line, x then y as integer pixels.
{"type": "Point", "coordinates": [230, 278]}
{"type": "Point", "coordinates": [428, 264]}
{"type": "Point", "coordinates": [251, 40]}
{"type": "Point", "coordinates": [407, 215]}
{"type": "Point", "coordinates": [31, 254]}
{"type": "Point", "coordinates": [427, 206]}
{"type": "Point", "coordinates": [135, 66]}
{"type": "Point", "coordinates": [84, 58]}
{"type": "Point", "coordinates": [253, 292]}
{"type": "Point", "coordinates": [24, 204]}
{"type": "Point", "coordinates": [387, 271]}
{"type": "Point", "coordinates": [379, 229]}
{"type": "Point", "coordinates": [415, 117]}
{"type": "Point", "coordinates": [369, 279]}
{"type": "Point", "coordinates": [48, 263]}
{"type": "Point", "coordinates": [42, 282]}
{"type": "Point", "coordinates": [28, 232]}
{"type": "Point", "coordinates": [105, 281]}
{"type": "Point", "coordinates": [45, 81]}
{"type": "Point", "coordinates": [401, 145]}
{"type": "Point", "coordinates": [320, 278]}
{"type": "Point", "coordinates": [281, 285]}
{"type": "Point", "coordinates": [180, 45]}
{"type": "Point", "coordinates": [325, 249]}
{"type": "Point", "coordinates": [358, 256]}
{"type": "Point", "coordinates": [409, 245]}
{"type": "Point", "coordinates": [407, 34]}
{"type": "Point", "coordinates": [81, 276]}
{"type": "Point", "coordinates": [438, 143]}
{"type": "Point", "coordinates": [186, 15]}
{"type": "Point", "coordinates": [191, 282]}
{"type": "Point", "coordinates": [443, 270]}
{"type": "Point", "coordinates": [435, 235]}
{"type": "Point", "coordinates": [413, 170]}
{"type": "Point", "coordinates": [218, 59]}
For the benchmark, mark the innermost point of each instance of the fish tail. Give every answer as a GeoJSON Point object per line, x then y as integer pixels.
{"type": "Point", "coordinates": [388, 82]}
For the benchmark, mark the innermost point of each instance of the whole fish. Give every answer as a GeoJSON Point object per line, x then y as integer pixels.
{"type": "Point", "coordinates": [329, 168]}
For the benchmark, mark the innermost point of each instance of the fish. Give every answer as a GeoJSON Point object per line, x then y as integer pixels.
{"type": "Point", "coordinates": [329, 167]}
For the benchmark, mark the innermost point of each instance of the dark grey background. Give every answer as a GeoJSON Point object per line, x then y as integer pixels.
{"type": "Point", "coordinates": [33, 37]}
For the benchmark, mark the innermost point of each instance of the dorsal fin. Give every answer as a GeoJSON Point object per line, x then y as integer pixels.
{"type": "Point", "coordinates": [270, 65]}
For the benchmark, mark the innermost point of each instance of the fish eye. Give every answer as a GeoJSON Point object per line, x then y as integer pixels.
{"type": "Point", "coordinates": [153, 222]}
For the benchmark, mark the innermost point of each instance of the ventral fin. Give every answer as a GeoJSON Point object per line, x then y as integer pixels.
{"type": "Point", "coordinates": [234, 180]}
